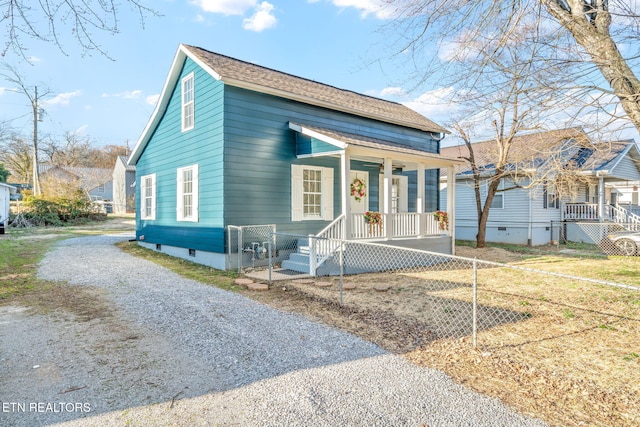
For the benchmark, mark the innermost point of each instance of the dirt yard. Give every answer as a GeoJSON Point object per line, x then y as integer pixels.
{"type": "Point", "coordinates": [561, 350]}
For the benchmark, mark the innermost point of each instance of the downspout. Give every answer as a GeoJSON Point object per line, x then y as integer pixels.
{"type": "Point", "coordinates": [530, 222]}
{"type": "Point", "coordinates": [600, 196]}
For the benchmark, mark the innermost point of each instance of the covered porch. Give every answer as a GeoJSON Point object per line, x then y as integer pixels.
{"type": "Point", "coordinates": [395, 213]}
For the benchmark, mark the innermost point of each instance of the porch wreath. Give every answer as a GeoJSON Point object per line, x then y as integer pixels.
{"type": "Point", "coordinates": [443, 219]}
{"type": "Point", "coordinates": [358, 189]}
{"type": "Point", "coordinates": [372, 217]}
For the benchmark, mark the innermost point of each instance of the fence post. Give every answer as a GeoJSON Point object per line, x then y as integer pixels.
{"type": "Point", "coordinates": [269, 253]}
{"type": "Point", "coordinates": [475, 303]}
{"type": "Point", "coordinates": [341, 262]}
{"type": "Point", "coordinates": [312, 256]}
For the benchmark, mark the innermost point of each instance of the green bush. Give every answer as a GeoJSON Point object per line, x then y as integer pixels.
{"type": "Point", "coordinates": [57, 211]}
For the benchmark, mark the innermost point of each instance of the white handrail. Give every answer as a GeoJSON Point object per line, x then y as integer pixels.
{"type": "Point", "coordinates": [325, 243]}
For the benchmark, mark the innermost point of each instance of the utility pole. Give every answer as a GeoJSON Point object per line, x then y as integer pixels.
{"type": "Point", "coordinates": [36, 113]}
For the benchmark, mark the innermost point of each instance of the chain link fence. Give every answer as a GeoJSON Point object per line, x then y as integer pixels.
{"type": "Point", "coordinates": [453, 297]}
{"type": "Point", "coordinates": [247, 246]}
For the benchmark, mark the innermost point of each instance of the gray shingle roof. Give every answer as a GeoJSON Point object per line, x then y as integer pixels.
{"type": "Point", "coordinates": [244, 74]}
{"type": "Point", "coordinates": [527, 151]}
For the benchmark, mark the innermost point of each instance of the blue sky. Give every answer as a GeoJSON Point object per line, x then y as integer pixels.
{"type": "Point", "coordinates": [337, 42]}
{"type": "Point", "coordinates": [334, 42]}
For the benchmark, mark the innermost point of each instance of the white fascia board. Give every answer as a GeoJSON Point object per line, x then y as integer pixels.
{"type": "Point", "coordinates": [317, 135]}
{"type": "Point", "coordinates": [620, 157]}
{"type": "Point", "coordinates": [174, 73]}
{"type": "Point", "coordinates": [323, 154]}
{"type": "Point", "coordinates": [431, 160]}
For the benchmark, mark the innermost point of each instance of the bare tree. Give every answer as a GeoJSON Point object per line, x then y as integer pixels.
{"type": "Point", "coordinates": [510, 93]}
{"type": "Point", "coordinates": [16, 155]}
{"type": "Point", "coordinates": [74, 151]}
{"type": "Point", "coordinates": [583, 38]}
{"type": "Point", "coordinates": [47, 20]}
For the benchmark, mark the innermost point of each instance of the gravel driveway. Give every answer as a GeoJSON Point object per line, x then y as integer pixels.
{"type": "Point", "coordinates": [170, 351]}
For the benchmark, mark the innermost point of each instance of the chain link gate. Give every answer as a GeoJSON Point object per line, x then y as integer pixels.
{"type": "Point", "coordinates": [248, 246]}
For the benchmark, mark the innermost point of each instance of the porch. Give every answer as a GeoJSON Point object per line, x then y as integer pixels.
{"type": "Point", "coordinates": [598, 212]}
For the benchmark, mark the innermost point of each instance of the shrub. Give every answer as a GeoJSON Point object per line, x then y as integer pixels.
{"type": "Point", "coordinates": [57, 211]}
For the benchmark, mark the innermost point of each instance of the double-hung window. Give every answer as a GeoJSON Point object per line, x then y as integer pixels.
{"type": "Point", "coordinates": [551, 199]}
{"type": "Point", "coordinates": [148, 197]}
{"type": "Point", "coordinates": [187, 193]}
{"type": "Point", "coordinates": [188, 97]}
{"type": "Point", "coordinates": [311, 193]}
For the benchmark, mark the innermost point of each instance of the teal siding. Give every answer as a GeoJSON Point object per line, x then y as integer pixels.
{"type": "Point", "coordinates": [169, 149]}
{"type": "Point", "coordinates": [260, 148]}
{"type": "Point", "coordinates": [244, 150]}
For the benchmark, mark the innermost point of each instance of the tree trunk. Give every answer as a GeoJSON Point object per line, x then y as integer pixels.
{"type": "Point", "coordinates": [593, 35]}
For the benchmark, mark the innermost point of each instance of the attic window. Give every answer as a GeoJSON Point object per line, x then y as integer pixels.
{"type": "Point", "coordinates": [188, 102]}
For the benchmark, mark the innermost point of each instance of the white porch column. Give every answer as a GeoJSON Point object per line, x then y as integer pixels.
{"type": "Point", "coordinates": [451, 206]}
{"type": "Point", "coordinates": [386, 209]}
{"type": "Point", "coordinates": [601, 199]}
{"type": "Point", "coordinates": [422, 223]}
{"type": "Point", "coordinates": [345, 194]}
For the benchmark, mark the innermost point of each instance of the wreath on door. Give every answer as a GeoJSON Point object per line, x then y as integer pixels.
{"type": "Point", "coordinates": [358, 189]}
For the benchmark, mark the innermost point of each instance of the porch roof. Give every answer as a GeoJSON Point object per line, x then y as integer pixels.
{"type": "Point", "coordinates": [338, 141]}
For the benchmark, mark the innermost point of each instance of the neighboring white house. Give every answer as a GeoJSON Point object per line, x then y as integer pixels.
{"type": "Point", "coordinates": [535, 216]}
{"type": "Point", "coordinates": [5, 195]}
{"type": "Point", "coordinates": [124, 191]}
{"type": "Point", "coordinates": [96, 182]}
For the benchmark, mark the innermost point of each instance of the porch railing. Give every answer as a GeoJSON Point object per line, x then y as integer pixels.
{"type": "Point", "coordinates": [589, 211]}
{"type": "Point", "coordinates": [580, 211]}
{"type": "Point", "coordinates": [620, 214]}
{"type": "Point", "coordinates": [325, 243]}
{"type": "Point", "coordinates": [403, 225]}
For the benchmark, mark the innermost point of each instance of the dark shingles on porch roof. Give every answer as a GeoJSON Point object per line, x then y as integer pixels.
{"type": "Point", "coordinates": [369, 142]}
{"type": "Point", "coordinates": [328, 96]}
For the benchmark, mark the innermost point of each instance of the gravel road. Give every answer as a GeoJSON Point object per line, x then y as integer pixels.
{"type": "Point", "coordinates": [170, 351]}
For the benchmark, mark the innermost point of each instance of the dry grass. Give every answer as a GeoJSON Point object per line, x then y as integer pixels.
{"type": "Point", "coordinates": [562, 350]}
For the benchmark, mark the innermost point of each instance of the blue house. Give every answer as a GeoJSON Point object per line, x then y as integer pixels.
{"type": "Point", "coordinates": [231, 143]}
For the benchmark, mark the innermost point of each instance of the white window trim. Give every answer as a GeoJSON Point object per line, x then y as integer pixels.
{"type": "Point", "coordinates": [180, 193]}
{"type": "Point", "coordinates": [191, 103]}
{"type": "Point", "coordinates": [297, 191]}
{"type": "Point", "coordinates": [144, 195]}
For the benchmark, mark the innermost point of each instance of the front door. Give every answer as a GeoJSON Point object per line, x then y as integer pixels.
{"type": "Point", "coordinates": [399, 196]}
{"type": "Point", "coordinates": [359, 190]}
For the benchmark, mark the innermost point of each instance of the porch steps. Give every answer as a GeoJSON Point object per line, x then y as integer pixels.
{"type": "Point", "coordinates": [298, 261]}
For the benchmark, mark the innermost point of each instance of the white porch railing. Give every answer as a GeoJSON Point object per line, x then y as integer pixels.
{"type": "Point", "coordinates": [622, 215]}
{"type": "Point", "coordinates": [325, 243]}
{"type": "Point", "coordinates": [404, 225]}
{"type": "Point", "coordinates": [589, 212]}
{"type": "Point", "coordinates": [580, 211]}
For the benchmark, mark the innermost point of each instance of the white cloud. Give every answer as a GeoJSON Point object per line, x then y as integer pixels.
{"type": "Point", "coordinates": [438, 102]}
{"type": "Point", "coordinates": [393, 92]}
{"type": "Point", "coordinates": [82, 130]}
{"type": "Point", "coordinates": [225, 7]}
{"type": "Point", "coordinates": [152, 99]}
{"type": "Point", "coordinates": [127, 94]}
{"type": "Point", "coordinates": [262, 19]}
{"type": "Point", "coordinates": [61, 99]}
{"type": "Point", "coordinates": [379, 8]}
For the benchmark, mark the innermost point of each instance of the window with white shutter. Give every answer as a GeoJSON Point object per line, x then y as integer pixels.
{"type": "Point", "coordinates": [311, 193]}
